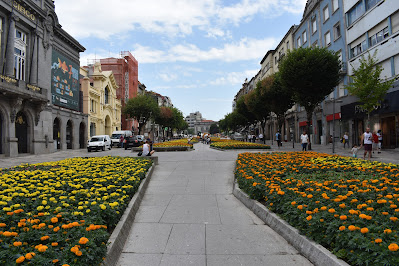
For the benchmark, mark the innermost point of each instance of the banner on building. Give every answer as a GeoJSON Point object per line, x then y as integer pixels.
{"type": "Point", "coordinates": [64, 82]}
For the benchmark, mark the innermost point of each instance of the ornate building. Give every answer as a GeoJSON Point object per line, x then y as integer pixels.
{"type": "Point", "coordinates": [40, 108]}
{"type": "Point", "coordinates": [100, 100]}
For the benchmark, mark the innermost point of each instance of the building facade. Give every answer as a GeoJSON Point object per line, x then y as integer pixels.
{"type": "Point", "coordinates": [372, 27]}
{"type": "Point", "coordinates": [100, 101]}
{"type": "Point", "coordinates": [40, 109]}
{"type": "Point", "coordinates": [125, 70]}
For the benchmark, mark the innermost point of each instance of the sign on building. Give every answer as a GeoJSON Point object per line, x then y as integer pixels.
{"type": "Point", "coordinates": [64, 82]}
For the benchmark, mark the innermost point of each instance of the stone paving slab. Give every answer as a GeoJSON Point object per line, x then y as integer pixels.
{"type": "Point", "coordinates": [256, 260]}
{"type": "Point", "coordinates": [186, 239]}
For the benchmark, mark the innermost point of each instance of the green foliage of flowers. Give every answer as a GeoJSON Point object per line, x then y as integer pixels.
{"type": "Point", "coordinates": [235, 144]}
{"type": "Point", "coordinates": [348, 205]}
{"type": "Point", "coordinates": [62, 213]}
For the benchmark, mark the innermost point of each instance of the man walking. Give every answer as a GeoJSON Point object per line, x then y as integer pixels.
{"type": "Point", "coordinates": [367, 141]}
{"type": "Point", "coordinates": [304, 140]}
{"type": "Point", "coordinates": [278, 139]}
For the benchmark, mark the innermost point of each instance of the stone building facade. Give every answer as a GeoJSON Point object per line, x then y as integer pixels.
{"type": "Point", "coordinates": [40, 109]}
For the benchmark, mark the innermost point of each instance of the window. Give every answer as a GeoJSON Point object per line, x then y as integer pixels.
{"type": "Point", "coordinates": [335, 5]}
{"type": "Point", "coordinates": [288, 45]}
{"type": "Point", "coordinates": [19, 54]}
{"type": "Point", "coordinates": [326, 13]}
{"type": "Point", "coordinates": [337, 31]}
{"type": "Point", "coordinates": [304, 37]}
{"type": "Point", "coordinates": [355, 12]}
{"type": "Point", "coordinates": [92, 106]}
{"type": "Point", "coordinates": [298, 42]}
{"type": "Point", "coordinates": [275, 59]}
{"type": "Point", "coordinates": [314, 26]}
{"type": "Point", "coordinates": [106, 95]}
{"type": "Point", "coordinates": [358, 49]}
{"type": "Point", "coordinates": [379, 36]}
{"type": "Point", "coordinates": [314, 45]}
{"type": "Point", "coordinates": [371, 3]}
{"type": "Point", "coordinates": [327, 38]}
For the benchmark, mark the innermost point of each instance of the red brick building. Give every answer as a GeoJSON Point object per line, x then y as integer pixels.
{"type": "Point", "coordinates": [126, 73]}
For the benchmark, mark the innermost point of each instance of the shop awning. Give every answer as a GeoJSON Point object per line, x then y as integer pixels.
{"type": "Point", "coordinates": [331, 118]}
{"type": "Point", "coordinates": [304, 123]}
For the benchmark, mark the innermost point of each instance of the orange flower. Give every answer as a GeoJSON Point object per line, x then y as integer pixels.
{"type": "Point", "coordinates": [394, 219]}
{"type": "Point", "coordinates": [378, 240]}
{"type": "Point", "coordinates": [54, 244]}
{"type": "Point", "coordinates": [42, 248]}
{"type": "Point", "coordinates": [393, 247]}
{"type": "Point", "coordinates": [55, 261]}
{"type": "Point", "coordinates": [387, 231]}
{"type": "Point", "coordinates": [342, 228]}
{"type": "Point", "coordinates": [364, 230]}
{"type": "Point", "coordinates": [352, 228]}
{"type": "Point", "coordinates": [309, 218]}
{"type": "Point", "coordinates": [30, 255]}
{"type": "Point", "coordinates": [2, 225]}
{"type": "Point", "coordinates": [17, 244]}
{"type": "Point", "coordinates": [331, 210]}
{"type": "Point", "coordinates": [54, 220]}
{"type": "Point", "coordinates": [83, 240]}
{"type": "Point", "coordinates": [343, 217]}
{"type": "Point", "coordinates": [44, 238]}
{"type": "Point", "coordinates": [20, 259]}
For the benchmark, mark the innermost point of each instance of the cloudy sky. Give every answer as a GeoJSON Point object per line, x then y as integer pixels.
{"type": "Point", "coordinates": [198, 52]}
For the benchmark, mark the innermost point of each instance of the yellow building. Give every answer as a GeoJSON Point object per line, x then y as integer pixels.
{"type": "Point", "coordinates": [99, 100]}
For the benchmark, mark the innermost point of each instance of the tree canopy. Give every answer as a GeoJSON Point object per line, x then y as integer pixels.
{"type": "Point", "coordinates": [311, 74]}
{"type": "Point", "coordinates": [142, 108]}
{"type": "Point", "coordinates": [367, 84]}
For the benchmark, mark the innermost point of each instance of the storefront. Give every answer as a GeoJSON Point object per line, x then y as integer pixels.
{"type": "Point", "coordinates": [384, 117]}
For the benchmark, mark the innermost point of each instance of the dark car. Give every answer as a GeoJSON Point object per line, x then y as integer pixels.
{"type": "Point", "coordinates": [132, 141]}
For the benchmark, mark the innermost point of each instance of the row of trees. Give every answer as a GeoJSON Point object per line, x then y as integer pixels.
{"type": "Point", "coordinates": [306, 76]}
{"type": "Point", "coordinates": [144, 108]}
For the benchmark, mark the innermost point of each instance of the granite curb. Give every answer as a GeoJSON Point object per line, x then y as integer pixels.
{"type": "Point", "coordinates": [121, 232]}
{"type": "Point", "coordinates": [314, 252]}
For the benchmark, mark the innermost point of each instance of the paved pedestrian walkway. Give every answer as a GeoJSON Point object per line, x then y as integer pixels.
{"type": "Point", "coordinates": [190, 217]}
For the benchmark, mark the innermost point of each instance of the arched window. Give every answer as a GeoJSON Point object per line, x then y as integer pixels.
{"type": "Point", "coordinates": [106, 95]}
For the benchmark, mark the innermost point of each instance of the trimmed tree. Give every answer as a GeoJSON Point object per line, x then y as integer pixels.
{"type": "Point", "coordinates": [367, 84]}
{"type": "Point", "coordinates": [311, 74]}
{"type": "Point", "coordinates": [142, 108]}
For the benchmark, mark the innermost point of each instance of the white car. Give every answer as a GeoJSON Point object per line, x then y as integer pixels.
{"type": "Point", "coordinates": [100, 142]}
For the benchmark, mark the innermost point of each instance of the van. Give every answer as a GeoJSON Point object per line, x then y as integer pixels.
{"type": "Point", "coordinates": [116, 136]}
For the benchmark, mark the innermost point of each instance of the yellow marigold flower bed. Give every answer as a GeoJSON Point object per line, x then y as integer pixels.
{"type": "Point", "coordinates": [348, 205]}
{"type": "Point", "coordinates": [228, 144]}
{"type": "Point", "coordinates": [63, 212]}
{"type": "Point", "coordinates": [174, 143]}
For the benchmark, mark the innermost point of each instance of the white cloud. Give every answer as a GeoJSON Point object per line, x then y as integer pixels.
{"type": "Point", "coordinates": [245, 49]}
{"type": "Point", "coordinates": [234, 78]}
{"type": "Point", "coordinates": [167, 77]}
{"type": "Point", "coordinates": [216, 100]}
{"type": "Point", "coordinates": [103, 18]}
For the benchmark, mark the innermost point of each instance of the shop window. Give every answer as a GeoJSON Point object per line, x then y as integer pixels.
{"type": "Point", "coordinates": [20, 44]}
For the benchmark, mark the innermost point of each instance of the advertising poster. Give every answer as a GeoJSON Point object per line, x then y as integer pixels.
{"type": "Point", "coordinates": [64, 82]}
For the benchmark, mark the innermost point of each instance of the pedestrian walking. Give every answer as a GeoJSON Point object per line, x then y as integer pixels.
{"type": "Point", "coordinates": [261, 137]}
{"type": "Point", "coordinates": [367, 142]}
{"type": "Point", "coordinates": [345, 139]}
{"type": "Point", "coordinates": [379, 134]}
{"type": "Point", "coordinates": [304, 140]}
{"type": "Point", "coordinates": [375, 141]}
{"type": "Point", "coordinates": [278, 139]}
{"type": "Point", "coordinates": [121, 139]}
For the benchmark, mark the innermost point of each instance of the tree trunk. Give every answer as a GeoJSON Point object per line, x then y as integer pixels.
{"type": "Point", "coordinates": [309, 118]}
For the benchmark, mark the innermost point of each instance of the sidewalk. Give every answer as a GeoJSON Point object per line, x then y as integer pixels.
{"type": "Point", "coordinates": [189, 216]}
{"type": "Point", "coordinates": [386, 155]}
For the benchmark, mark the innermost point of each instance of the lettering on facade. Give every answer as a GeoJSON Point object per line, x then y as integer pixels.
{"type": "Point", "coordinates": [32, 87]}
{"type": "Point", "coordinates": [359, 109]}
{"type": "Point", "coordinates": [126, 86]}
{"type": "Point", "coordinates": [23, 11]}
{"type": "Point", "coordinates": [8, 79]}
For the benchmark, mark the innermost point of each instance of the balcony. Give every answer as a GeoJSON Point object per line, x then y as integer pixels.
{"type": "Point", "coordinates": [344, 68]}
{"type": "Point", "coordinates": [19, 88]}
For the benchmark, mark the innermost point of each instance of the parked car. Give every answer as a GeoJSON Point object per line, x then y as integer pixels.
{"type": "Point", "coordinates": [237, 136]}
{"type": "Point", "coordinates": [116, 136]}
{"type": "Point", "coordinates": [133, 141]}
{"type": "Point", "coordinates": [100, 142]}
